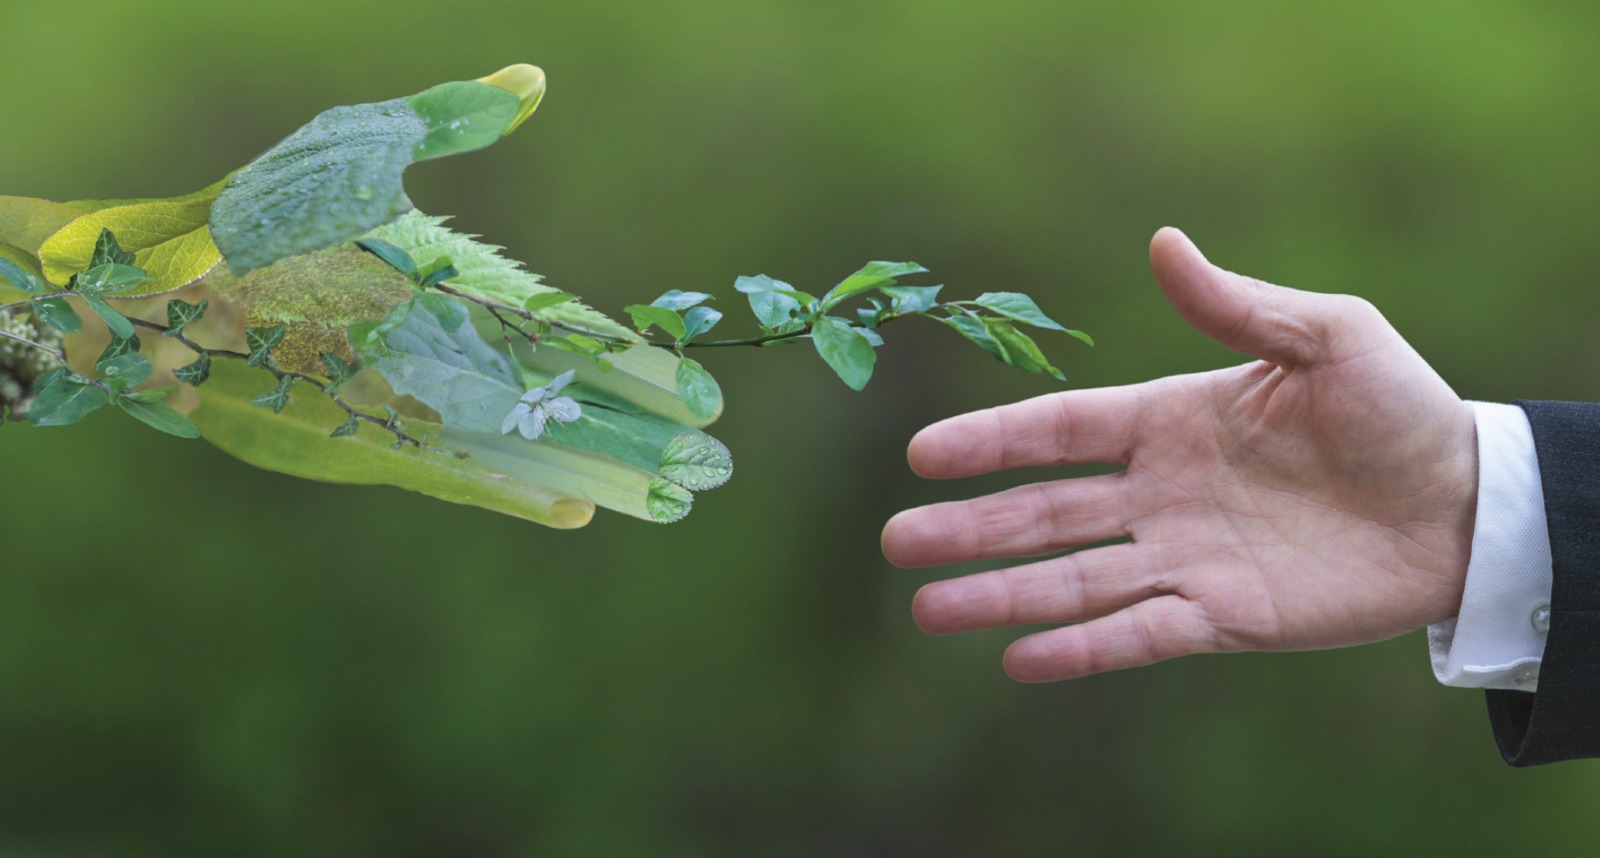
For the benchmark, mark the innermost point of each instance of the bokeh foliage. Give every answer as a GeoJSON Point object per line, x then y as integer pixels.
{"type": "Point", "coordinates": [200, 658]}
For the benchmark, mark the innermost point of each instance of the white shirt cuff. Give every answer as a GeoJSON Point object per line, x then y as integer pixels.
{"type": "Point", "coordinates": [1497, 640]}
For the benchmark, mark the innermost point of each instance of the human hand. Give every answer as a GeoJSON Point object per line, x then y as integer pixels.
{"type": "Point", "coordinates": [1321, 496]}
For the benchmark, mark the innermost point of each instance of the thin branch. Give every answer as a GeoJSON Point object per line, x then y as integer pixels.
{"type": "Point", "coordinates": [57, 353]}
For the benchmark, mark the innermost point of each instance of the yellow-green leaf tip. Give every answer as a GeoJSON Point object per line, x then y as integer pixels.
{"type": "Point", "coordinates": [525, 82]}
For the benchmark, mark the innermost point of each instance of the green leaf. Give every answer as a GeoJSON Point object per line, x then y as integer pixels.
{"type": "Point", "coordinates": [64, 401]}
{"type": "Point", "coordinates": [698, 321]}
{"type": "Point", "coordinates": [58, 314]}
{"type": "Point", "coordinates": [1021, 308]}
{"type": "Point", "coordinates": [119, 325]}
{"type": "Point", "coordinates": [109, 279]}
{"type": "Point", "coordinates": [108, 252]}
{"type": "Point", "coordinates": [296, 442]}
{"type": "Point", "coordinates": [341, 175]}
{"type": "Point", "coordinates": [194, 374]}
{"type": "Point", "coordinates": [276, 398]}
{"type": "Point", "coordinates": [20, 278]}
{"type": "Point", "coordinates": [347, 428]}
{"type": "Point", "coordinates": [339, 370]}
{"type": "Point", "coordinates": [911, 299]}
{"type": "Point", "coordinates": [678, 300]}
{"type": "Point", "coordinates": [159, 415]}
{"type": "Point", "coordinates": [456, 373]}
{"type": "Point", "coordinates": [25, 222]}
{"type": "Point", "coordinates": [770, 300]}
{"type": "Point", "coordinates": [117, 348]}
{"type": "Point", "coordinates": [645, 315]}
{"type": "Point", "coordinates": [845, 349]}
{"type": "Point", "coordinates": [168, 238]}
{"type": "Point", "coordinates": [396, 257]}
{"type": "Point", "coordinates": [439, 272]}
{"type": "Point", "coordinates": [462, 116]}
{"type": "Point", "coordinates": [871, 276]}
{"type": "Point", "coordinates": [125, 371]}
{"type": "Point", "coordinates": [667, 501]}
{"type": "Point", "coordinates": [261, 342]}
{"type": "Point", "coordinates": [698, 389]}
{"type": "Point", "coordinates": [182, 313]}
{"type": "Point", "coordinates": [1019, 350]}
{"type": "Point", "coordinates": [544, 301]}
{"type": "Point", "coordinates": [484, 273]}
{"type": "Point", "coordinates": [696, 461]}
{"type": "Point", "coordinates": [872, 337]}
{"type": "Point", "coordinates": [974, 330]}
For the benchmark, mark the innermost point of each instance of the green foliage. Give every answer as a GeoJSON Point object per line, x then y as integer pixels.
{"type": "Point", "coordinates": [845, 349]}
{"type": "Point", "coordinates": [336, 278]}
{"type": "Point", "coordinates": [341, 175]}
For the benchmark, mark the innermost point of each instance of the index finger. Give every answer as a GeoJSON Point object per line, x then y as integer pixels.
{"type": "Point", "coordinates": [1072, 427]}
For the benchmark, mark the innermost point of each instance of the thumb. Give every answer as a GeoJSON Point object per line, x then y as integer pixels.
{"type": "Point", "coordinates": [1274, 323]}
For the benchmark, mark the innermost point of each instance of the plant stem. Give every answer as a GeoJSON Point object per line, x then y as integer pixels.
{"type": "Point", "coordinates": [58, 354]}
{"type": "Point", "coordinates": [401, 436]}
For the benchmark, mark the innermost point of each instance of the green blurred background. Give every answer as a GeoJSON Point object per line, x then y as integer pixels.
{"type": "Point", "coordinates": [200, 658]}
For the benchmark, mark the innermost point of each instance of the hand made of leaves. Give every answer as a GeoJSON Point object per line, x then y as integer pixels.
{"type": "Point", "coordinates": [348, 338]}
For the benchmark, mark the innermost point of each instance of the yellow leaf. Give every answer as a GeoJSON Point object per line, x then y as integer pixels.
{"type": "Point", "coordinates": [525, 82]}
{"type": "Point", "coordinates": [168, 238]}
{"type": "Point", "coordinates": [26, 222]}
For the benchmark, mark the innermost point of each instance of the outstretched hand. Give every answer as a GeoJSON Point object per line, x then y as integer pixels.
{"type": "Point", "coordinates": [1321, 496]}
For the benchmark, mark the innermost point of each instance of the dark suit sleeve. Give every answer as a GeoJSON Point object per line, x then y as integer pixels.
{"type": "Point", "coordinates": [1562, 720]}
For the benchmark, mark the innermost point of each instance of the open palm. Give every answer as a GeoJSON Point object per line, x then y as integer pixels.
{"type": "Point", "coordinates": [1321, 496]}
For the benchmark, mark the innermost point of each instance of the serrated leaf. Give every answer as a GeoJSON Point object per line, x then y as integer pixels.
{"type": "Point", "coordinates": [125, 371]}
{"type": "Point", "coordinates": [667, 501]}
{"type": "Point", "coordinates": [871, 276]}
{"type": "Point", "coordinates": [484, 273]}
{"type": "Point", "coordinates": [58, 314]}
{"type": "Point", "coordinates": [194, 374]}
{"type": "Point", "coordinates": [341, 175]}
{"type": "Point", "coordinates": [699, 320]}
{"type": "Point", "coordinates": [168, 238]}
{"type": "Point", "coordinates": [182, 313]}
{"type": "Point", "coordinates": [296, 442]}
{"type": "Point", "coordinates": [911, 299]}
{"type": "Point", "coordinates": [844, 348]}
{"type": "Point", "coordinates": [696, 461]}
{"type": "Point", "coordinates": [117, 323]}
{"type": "Point", "coordinates": [159, 415]}
{"type": "Point", "coordinates": [276, 398]}
{"type": "Point", "coordinates": [678, 300]}
{"type": "Point", "coordinates": [65, 400]}
{"type": "Point", "coordinates": [646, 315]}
{"type": "Point", "coordinates": [456, 373]}
{"type": "Point", "coordinates": [400, 260]}
{"type": "Point", "coordinates": [108, 252]}
{"type": "Point", "coordinates": [698, 389]}
{"type": "Point", "coordinates": [1019, 350]}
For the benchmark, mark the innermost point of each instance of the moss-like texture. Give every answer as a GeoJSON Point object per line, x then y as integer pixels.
{"type": "Point", "coordinates": [318, 295]}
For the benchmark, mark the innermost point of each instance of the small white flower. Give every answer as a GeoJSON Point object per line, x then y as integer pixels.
{"type": "Point", "coordinates": [541, 405]}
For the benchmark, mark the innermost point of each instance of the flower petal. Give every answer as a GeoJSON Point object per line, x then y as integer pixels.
{"type": "Point", "coordinates": [564, 409]}
{"type": "Point", "coordinates": [514, 418]}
